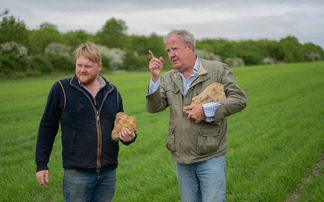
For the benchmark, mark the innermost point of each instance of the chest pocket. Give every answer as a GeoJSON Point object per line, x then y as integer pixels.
{"type": "Point", "coordinates": [173, 95]}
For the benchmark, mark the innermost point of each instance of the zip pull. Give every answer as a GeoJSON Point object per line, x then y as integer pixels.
{"type": "Point", "coordinates": [98, 118]}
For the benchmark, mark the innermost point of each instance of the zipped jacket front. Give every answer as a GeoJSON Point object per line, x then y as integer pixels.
{"type": "Point", "coordinates": [187, 141]}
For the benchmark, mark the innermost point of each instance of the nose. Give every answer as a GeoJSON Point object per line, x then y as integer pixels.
{"type": "Point", "coordinates": [82, 68]}
{"type": "Point", "coordinates": [171, 54]}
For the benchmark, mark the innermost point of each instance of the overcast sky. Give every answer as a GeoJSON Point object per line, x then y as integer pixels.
{"type": "Point", "coordinates": [229, 19]}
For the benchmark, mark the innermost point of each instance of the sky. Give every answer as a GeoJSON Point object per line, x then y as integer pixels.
{"type": "Point", "coordinates": [226, 19]}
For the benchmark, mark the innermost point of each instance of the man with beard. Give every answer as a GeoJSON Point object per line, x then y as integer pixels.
{"type": "Point", "coordinates": [196, 141]}
{"type": "Point", "coordinates": [86, 106]}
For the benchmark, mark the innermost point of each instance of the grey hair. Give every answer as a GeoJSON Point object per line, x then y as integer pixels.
{"type": "Point", "coordinates": [184, 35]}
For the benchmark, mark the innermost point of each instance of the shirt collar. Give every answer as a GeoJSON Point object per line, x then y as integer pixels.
{"type": "Point", "coordinates": [195, 67]}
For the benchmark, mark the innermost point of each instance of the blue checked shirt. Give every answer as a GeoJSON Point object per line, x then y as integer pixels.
{"type": "Point", "coordinates": [209, 108]}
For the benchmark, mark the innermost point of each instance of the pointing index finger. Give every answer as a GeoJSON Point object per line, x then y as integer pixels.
{"type": "Point", "coordinates": [151, 54]}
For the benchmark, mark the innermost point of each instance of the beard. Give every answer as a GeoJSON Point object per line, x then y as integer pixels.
{"type": "Point", "coordinates": [86, 79]}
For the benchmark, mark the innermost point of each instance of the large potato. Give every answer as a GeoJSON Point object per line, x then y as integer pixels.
{"type": "Point", "coordinates": [123, 121]}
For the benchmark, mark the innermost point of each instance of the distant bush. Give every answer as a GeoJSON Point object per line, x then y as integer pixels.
{"type": "Point", "coordinates": [13, 57]}
{"type": "Point", "coordinates": [7, 65]}
{"type": "Point", "coordinates": [58, 49]}
{"type": "Point", "coordinates": [268, 61]}
{"type": "Point", "coordinates": [19, 51]}
{"type": "Point", "coordinates": [61, 63]}
{"type": "Point", "coordinates": [39, 65]}
{"type": "Point", "coordinates": [250, 58]}
{"type": "Point", "coordinates": [134, 61]}
{"type": "Point", "coordinates": [312, 57]}
{"type": "Point", "coordinates": [235, 62]}
{"type": "Point", "coordinates": [105, 63]}
{"type": "Point", "coordinates": [207, 55]}
{"type": "Point", "coordinates": [116, 56]}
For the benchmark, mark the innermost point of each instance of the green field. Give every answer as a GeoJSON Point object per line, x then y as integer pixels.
{"type": "Point", "coordinates": [273, 144]}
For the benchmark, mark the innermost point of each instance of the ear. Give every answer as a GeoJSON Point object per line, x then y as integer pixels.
{"type": "Point", "coordinates": [189, 45]}
{"type": "Point", "coordinates": [99, 67]}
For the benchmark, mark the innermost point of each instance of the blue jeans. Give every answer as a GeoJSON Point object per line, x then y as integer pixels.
{"type": "Point", "coordinates": [89, 186]}
{"type": "Point", "coordinates": [202, 181]}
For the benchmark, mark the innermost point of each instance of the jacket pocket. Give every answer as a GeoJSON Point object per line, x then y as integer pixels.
{"type": "Point", "coordinates": [208, 140]}
{"type": "Point", "coordinates": [170, 141]}
{"type": "Point", "coordinates": [173, 95]}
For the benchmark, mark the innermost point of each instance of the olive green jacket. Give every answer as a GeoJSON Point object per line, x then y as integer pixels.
{"type": "Point", "coordinates": [189, 142]}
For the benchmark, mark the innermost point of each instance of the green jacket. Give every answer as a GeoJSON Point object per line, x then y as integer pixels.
{"type": "Point", "coordinates": [189, 142]}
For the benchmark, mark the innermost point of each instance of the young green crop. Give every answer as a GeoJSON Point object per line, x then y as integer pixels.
{"type": "Point", "coordinates": [273, 143]}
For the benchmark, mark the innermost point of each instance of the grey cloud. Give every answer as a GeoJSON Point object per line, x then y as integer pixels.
{"type": "Point", "coordinates": [301, 18]}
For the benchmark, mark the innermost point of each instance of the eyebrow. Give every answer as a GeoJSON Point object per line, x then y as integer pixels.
{"type": "Point", "coordinates": [173, 47]}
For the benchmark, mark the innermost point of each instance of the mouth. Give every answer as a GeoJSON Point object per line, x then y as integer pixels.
{"type": "Point", "coordinates": [82, 76]}
{"type": "Point", "coordinates": [174, 60]}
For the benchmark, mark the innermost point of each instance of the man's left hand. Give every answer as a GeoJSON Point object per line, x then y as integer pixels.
{"type": "Point", "coordinates": [196, 113]}
{"type": "Point", "coordinates": [126, 135]}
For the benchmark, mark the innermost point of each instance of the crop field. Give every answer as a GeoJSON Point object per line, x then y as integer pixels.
{"type": "Point", "coordinates": [275, 151]}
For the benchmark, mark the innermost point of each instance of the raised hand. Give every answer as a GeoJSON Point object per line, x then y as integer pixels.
{"type": "Point", "coordinates": [155, 66]}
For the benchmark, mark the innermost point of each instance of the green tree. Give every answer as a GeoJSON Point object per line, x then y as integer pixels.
{"type": "Point", "coordinates": [39, 65]}
{"type": "Point", "coordinates": [271, 49]}
{"type": "Point", "coordinates": [12, 30]}
{"type": "Point", "coordinates": [135, 62]}
{"type": "Point", "coordinates": [292, 49]}
{"type": "Point", "coordinates": [249, 51]}
{"type": "Point", "coordinates": [112, 34]}
{"type": "Point", "coordinates": [42, 37]}
{"type": "Point", "coordinates": [137, 47]}
{"type": "Point", "coordinates": [141, 44]}
{"type": "Point", "coordinates": [75, 38]}
{"type": "Point", "coordinates": [207, 45]}
{"type": "Point", "coordinates": [312, 49]}
{"type": "Point", "coordinates": [226, 49]}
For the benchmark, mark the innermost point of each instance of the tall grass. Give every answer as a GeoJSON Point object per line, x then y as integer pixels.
{"type": "Point", "coordinates": [273, 143]}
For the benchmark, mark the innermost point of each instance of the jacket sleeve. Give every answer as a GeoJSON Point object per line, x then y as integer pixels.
{"type": "Point", "coordinates": [157, 101]}
{"type": "Point", "coordinates": [236, 99]}
{"type": "Point", "coordinates": [49, 126]}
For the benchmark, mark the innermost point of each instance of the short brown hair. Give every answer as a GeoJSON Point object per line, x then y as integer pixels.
{"type": "Point", "coordinates": [90, 51]}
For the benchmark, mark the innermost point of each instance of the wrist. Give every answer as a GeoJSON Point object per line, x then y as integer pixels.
{"type": "Point", "coordinates": [155, 78]}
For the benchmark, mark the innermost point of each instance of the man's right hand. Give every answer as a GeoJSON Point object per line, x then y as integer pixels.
{"type": "Point", "coordinates": [155, 66]}
{"type": "Point", "coordinates": [42, 177]}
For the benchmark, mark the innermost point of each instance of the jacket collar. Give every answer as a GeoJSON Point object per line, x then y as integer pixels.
{"type": "Point", "coordinates": [201, 70]}
{"type": "Point", "coordinates": [202, 75]}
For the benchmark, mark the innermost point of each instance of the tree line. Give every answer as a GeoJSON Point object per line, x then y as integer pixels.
{"type": "Point", "coordinates": [45, 50]}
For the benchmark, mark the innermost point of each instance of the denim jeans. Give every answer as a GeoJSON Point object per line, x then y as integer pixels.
{"type": "Point", "coordinates": [203, 181]}
{"type": "Point", "coordinates": [89, 186]}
